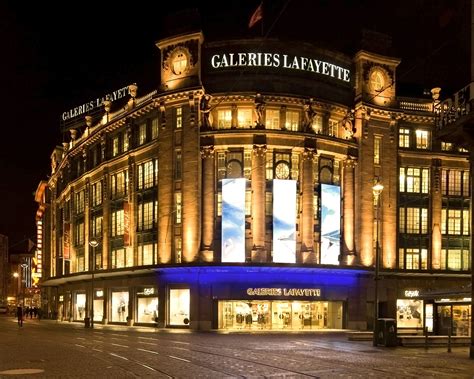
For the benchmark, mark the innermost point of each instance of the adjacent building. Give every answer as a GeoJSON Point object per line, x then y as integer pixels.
{"type": "Point", "coordinates": [240, 194]}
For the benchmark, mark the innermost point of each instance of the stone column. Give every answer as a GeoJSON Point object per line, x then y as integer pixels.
{"type": "Point", "coordinates": [259, 253]}
{"type": "Point", "coordinates": [105, 219]}
{"type": "Point", "coordinates": [132, 207]}
{"type": "Point", "coordinates": [436, 203]}
{"type": "Point", "coordinates": [348, 248]}
{"type": "Point", "coordinates": [208, 203]}
{"type": "Point", "coordinates": [307, 216]}
{"type": "Point", "coordinates": [88, 259]}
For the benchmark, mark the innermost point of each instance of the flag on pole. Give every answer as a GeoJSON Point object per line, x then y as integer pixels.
{"type": "Point", "coordinates": [256, 16]}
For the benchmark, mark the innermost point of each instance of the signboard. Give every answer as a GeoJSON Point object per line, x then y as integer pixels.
{"type": "Point", "coordinates": [233, 220]}
{"type": "Point", "coordinates": [284, 221]}
{"type": "Point", "coordinates": [330, 224]}
{"type": "Point", "coordinates": [67, 241]}
{"type": "Point", "coordinates": [313, 292]}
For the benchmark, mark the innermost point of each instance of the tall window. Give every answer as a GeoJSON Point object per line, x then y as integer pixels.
{"type": "Point", "coordinates": [80, 201]}
{"type": "Point", "coordinates": [333, 128]}
{"type": "Point", "coordinates": [244, 117]}
{"type": "Point", "coordinates": [446, 146]}
{"type": "Point", "coordinates": [455, 259]}
{"type": "Point", "coordinates": [413, 259]}
{"type": "Point", "coordinates": [178, 207]}
{"type": "Point", "coordinates": [422, 139]}
{"type": "Point", "coordinates": [154, 128]}
{"type": "Point", "coordinates": [377, 144]}
{"type": "Point", "coordinates": [455, 221]}
{"type": "Point", "coordinates": [177, 164]}
{"type": "Point", "coordinates": [117, 258]}
{"type": "Point", "coordinates": [414, 180]}
{"type": "Point", "coordinates": [146, 253]}
{"type": "Point", "coordinates": [115, 145]}
{"type": "Point", "coordinates": [224, 118]}
{"type": "Point", "coordinates": [292, 120]}
{"type": "Point", "coordinates": [117, 224]}
{"type": "Point", "coordinates": [147, 212]}
{"type": "Point", "coordinates": [318, 124]}
{"type": "Point", "coordinates": [96, 193]}
{"type": "Point", "coordinates": [178, 248]}
{"type": "Point", "coordinates": [147, 174]}
{"type": "Point", "coordinates": [404, 137]}
{"type": "Point", "coordinates": [234, 166]}
{"type": "Point", "coordinates": [118, 184]}
{"type": "Point", "coordinates": [179, 118]}
{"type": "Point", "coordinates": [269, 166]}
{"type": "Point", "coordinates": [455, 183]}
{"type": "Point", "coordinates": [142, 133]}
{"type": "Point", "coordinates": [413, 220]}
{"type": "Point", "coordinates": [272, 119]}
{"type": "Point", "coordinates": [79, 233]}
{"type": "Point", "coordinates": [96, 221]}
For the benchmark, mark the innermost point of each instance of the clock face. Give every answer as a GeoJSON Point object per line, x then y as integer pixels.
{"type": "Point", "coordinates": [179, 61]}
{"type": "Point", "coordinates": [282, 170]}
{"type": "Point", "coordinates": [234, 169]}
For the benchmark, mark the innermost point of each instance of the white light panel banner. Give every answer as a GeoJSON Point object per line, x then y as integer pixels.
{"type": "Point", "coordinates": [233, 220]}
{"type": "Point", "coordinates": [284, 221]}
{"type": "Point", "coordinates": [330, 224]}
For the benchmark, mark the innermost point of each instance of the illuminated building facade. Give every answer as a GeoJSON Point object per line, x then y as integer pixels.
{"type": "Point", "coordinates": [239, 195]}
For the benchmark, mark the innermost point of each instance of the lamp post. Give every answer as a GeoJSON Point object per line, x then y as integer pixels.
{"type": "Point", "coordinates": [377, 190]}
{"type": "Point", "coordinates": [93, 243]}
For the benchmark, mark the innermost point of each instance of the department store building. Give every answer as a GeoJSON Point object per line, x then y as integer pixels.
{"type": "Point", "coordinates": [240, 195]}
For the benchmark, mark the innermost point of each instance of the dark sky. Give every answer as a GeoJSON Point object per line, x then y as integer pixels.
{"type": "Point", "coordinates": [57, 57]}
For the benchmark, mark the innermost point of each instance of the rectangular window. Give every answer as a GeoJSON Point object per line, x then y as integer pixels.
{"type": "Point", "coordinates": [318, 124]}
{"type": "Point", "coordinates": [377, 144]}
{"type": "Point", "coordinates": [244, 117]}
{"type": "Point", "coordinates": [219, 203]}
{"type": "Point", "coordinates": [248, 202]}
{"type": "Point", "coordinates": [142, 133]}
{"type": "Point", "coordinates": [125, 142]}
{"type": "Point", "coordinates": [295, 164]}
{"type": "Point", "coordinates": [454, 221]}
{"type": "Point", "coordinates": [224, 118]}
{"type": "Point", "coordinates": [154, 128]}
{"type": "Point", "coordinates": [179, 307]}
{"type": "Point", "coordinates": [96, 225]}
{"type": "Point", "coordinates": [118, 184]}
{"type": "Point", "coordinates": [333, 128]}
{"type": "Point", "coordinates": [446, 146]}
{"type": "Point", "coordinates": [413, 220]}
{"type": "Point", "coordinates": [269, 166]}
{"type": "Point", "coordinates": [80, 202]}
{"type": "Point", "coordinates": [79, 233]}
{"type": "Point", "coordinates": [146, 215]}
{"type": "Point", "coordinates": [147, 174]}
{"type": "Point", "coordinates": [404, 137]}
{"type": "Point", "coordinates": [96, 192]}
{"type": "Point", "coordinates": [455, 182]}
{"type": "Point", "coordinates": [115, 145]}
{"type": "Point", "coordinates": [247, 164]}
{"type": "Point", "coordinates": [146, 253]}
{"type": "Point", "coordinates": [292, 120]}
{"type": "Point", "coordinates": [268, 203]}
{"type": "Point", "coordinates": [422, 139]}
{"type": "Point", "coordinates": [117, 225]}
{"type": "Point", "coordinates": [414, 180]}
{"type": "Point", "coordinates": [272, 119]}
{"type": "Point", "coordinates": [179, 118]}
{"type": "Point", "coordinates": [178, 207]}
{"type": "Point", "coordinates": [177, 165]}
{"type": "Point", "coordinates": [221, 166]}
{"type": "Point", "coordinates": [117, 257]}
{"type": "Point", "coordinates": [178, 247]}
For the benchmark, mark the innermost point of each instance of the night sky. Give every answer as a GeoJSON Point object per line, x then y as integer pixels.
{"type": "Point", "coordinates": [57, 57]}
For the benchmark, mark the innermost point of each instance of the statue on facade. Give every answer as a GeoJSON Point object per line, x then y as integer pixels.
{"type": "Point", "coordinates": [205, 108]}
{"type": "Point", "coordinates": [309, 116]}
{"type": "Point", "coordinates": [259, 111]}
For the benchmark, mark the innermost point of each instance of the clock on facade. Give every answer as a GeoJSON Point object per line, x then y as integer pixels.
{"type": "Point", "coordinates": [377, 80]}
{"type": "Point", "coordinates": [282, 170]}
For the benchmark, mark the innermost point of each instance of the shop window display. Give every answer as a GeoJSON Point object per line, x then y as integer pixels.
{"type": "Point", "coordinates": [179, 307]}
{"type": "Point", "coordinates": [147, 309]}
{"type": "Point", "coordinates": [80, 306]}
{"type": "Point", "coordinates": [119, 312]}
{"type": "Point", "coordinates": [98, 310]}
{"type": "Point", "coordinates": [280, 315]}
{"type": "Point", "coordinates": [409, 313]}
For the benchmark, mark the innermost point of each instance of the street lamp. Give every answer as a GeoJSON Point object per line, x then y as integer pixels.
{"type": "Point", "coordinates": [93, 243]}
{"type": "Point", "coordinates": [377, 190]}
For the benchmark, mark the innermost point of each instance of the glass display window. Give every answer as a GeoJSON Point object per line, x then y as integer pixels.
{"type": "Point", "coordinates": [147, 308]}
{"type": "Point", "coordinates": [119, 311]}
{"type": "Point", "coordinates": [80, 306]}
{"type": "Point", "coordinates": [409, 313]}
{"type": "Point", "coordinates": [98, 310]}
{"type": "Point", "coordinates": [179, 305]}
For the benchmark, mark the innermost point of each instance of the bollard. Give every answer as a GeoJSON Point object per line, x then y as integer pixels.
{"type": "Point", "coordinates": [449, 339]}
{"type": "Point", "coordinates": [426, 338]}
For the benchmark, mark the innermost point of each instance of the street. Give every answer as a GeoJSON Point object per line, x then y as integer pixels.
{"type": "Point", "coordinates": [50, 349]}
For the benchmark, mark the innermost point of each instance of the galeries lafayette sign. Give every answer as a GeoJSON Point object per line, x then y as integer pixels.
{"type": "Point", "coordinates": [315, 292]}
{"type": "Point", "coordinates": [277, 60]}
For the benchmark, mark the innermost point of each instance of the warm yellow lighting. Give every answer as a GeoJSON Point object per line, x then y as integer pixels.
{"type": "Point", "coordinates": [16, 275]}
{"type": "Point", "coordinates": [377, 188]}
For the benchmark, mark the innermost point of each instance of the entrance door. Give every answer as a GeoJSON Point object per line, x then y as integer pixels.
{"type": "Point", "coordinates": [444, 319]}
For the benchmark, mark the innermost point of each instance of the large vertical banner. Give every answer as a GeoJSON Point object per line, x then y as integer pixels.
{"type": "Point", "coordinates": [284, 221]}
{"type": "Point", "coordinates": [233, 220]}
{"type": "Point", "coordinates": [126, 223]}
{"type": "Point", "coordinates": [67, 240]}
{"type": "Point", "coordinates": [330, 224]}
